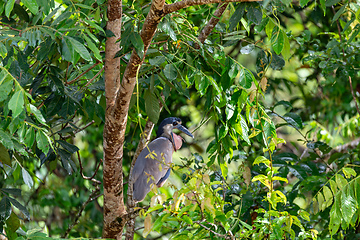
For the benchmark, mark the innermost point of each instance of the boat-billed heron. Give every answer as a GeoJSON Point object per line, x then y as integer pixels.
{"type": "Point", "coordinates": [153, 164]}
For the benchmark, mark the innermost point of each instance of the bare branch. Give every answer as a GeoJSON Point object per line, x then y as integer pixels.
{"type": "Point", "coordinates": [212, 231]}
{"type": "Point", "coordinates": [341, 149]}
{"type": "Point", "coordinates": [82, 74]}
{"type": "Point", "coordinates": [82, 169]}
{"type": "Point", "coordinates": [96, 75]}
{"type": "Point", "coordinates": [79, 130]}
{"type": "Point", "coordinates": [212, 23]}
{"type": "Point", "coordinates": [169, 8]}
{"type": "Point", "coordinates": [94, 195]}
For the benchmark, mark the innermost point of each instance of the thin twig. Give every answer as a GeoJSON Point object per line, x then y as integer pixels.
{"type": "Point", "coordinates": [82, 74]}
{"type": "Point", "coordinates": [79, 130]}
{"type": "Point", "coordinates": [82, 173]}
{"type": "Point", "coordinates": [96, 75]}
{"type": "Point", "coordinates": [94, 195]}
{"type": "Point", "coordinates": [212, 231]}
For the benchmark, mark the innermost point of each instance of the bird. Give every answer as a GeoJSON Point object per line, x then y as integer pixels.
{"type": "Point", "coordinates": [152, 167]}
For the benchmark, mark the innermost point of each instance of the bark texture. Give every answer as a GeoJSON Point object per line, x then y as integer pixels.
{"type": "Point", "coordinates": [113, 129]}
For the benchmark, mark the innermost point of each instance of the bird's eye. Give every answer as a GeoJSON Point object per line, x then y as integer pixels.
{"type": "Point", "coordinates": [175, 123]}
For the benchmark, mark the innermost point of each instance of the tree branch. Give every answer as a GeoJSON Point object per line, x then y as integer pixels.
{"type": "Point", "coordinates": [94, 195]}
{"type": "Point", "coordinates": [169, 8]}
{"type": "Point", "coordinates": [211, 24]}
{"type": "Point", "coordinates": [212, 231]}
{"type": "Point", "coordinates": [82, 74]}
{"type": "Point", "coordinates": [113, 133]}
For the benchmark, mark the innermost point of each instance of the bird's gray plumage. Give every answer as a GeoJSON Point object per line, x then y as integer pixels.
{"type": "Point", "coordinates": [152, 167]}
{"type": "Point", "coordinates": [149, 170]}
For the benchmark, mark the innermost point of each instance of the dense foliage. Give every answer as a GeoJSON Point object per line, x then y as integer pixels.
{"type": "Point", "coordinates": [269, 96]}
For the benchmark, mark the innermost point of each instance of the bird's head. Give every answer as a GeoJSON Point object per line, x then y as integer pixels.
{"type": "Point", "coordinates": [166, 130]}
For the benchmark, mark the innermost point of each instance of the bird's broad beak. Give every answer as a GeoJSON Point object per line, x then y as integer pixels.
{"type": "Point", "coordinates": [184, 130]}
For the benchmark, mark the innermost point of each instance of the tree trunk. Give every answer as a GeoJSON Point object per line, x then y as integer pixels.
{"type": "Point", "coordinates": [113, 129]}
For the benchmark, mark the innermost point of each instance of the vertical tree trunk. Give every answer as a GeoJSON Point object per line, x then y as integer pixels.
{"type": "Point", "coordinates": [113, 130]}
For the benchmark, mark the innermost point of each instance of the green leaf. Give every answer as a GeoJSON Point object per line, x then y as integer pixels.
{"type": "Point", "coordinates": [348, 172]}
{"type": "Point", "coordinates": [186, 219]}
{"type": "Point", "coordinates": [244, 130]}
{"type": "Point", "coordinates": [234, 70]}
{"type": "Point", "coordinates": [355, 33]}
{"type": "Point", "coordinates": [348, 205]}
{"type": "Point", "coordinates": [157, 61]}
{"type": "Point", "coordinates": [321, 200]}
{"type": "Point", "coordinates": [42, 141]}
{"type": "Point", "coordinates": [246, 78]}
{"type": "Point", "coordinates": [224, 169]}
{"type": "Point", "coordinates": [27, 178]}
{"type": "Point", "coordinates": [65, 160]}
{"type": "Point", "coordinates": [338, 13]}
{"type": "Point", "coordinates": [152, 106]}
{"type": "Point", "coordinates": [5, 138]}
{"type": "Point", "coordinates": [69, 147]}
{"type": "Point", "coordinates": [333, 186]}
{"type": "Point", "coordinates": [4, 155]}
{"type": "Point", "coordinates": [94, 25]}
{"type": "Point", "coordinates": [254, 13]}
{"type": "Point", "coordinates": [298, 171]}
{"type": "Point", "coordinates": [304, 215]}
{"type": "Point", "coordinates": [37, 114]}
{"type": "Point", "coordinates": [5, 208]}
{"type": "Point", "coordinates": [236, 16]}
{"type": "Point", "coordinates": [3, 50]}
{"type": "Point", "coordinates": [32, 6]}
{"type": "Point", "coordinates": [20, 207]}
{"type": "Point", "coordinates": [262, 159]}
{"type": "Point", "coordinates": [223, 131]}
{"type": "Point", "coordinates": [214, 84]}
{"type": "Point", "coordinates": [303, 3]}
{"type": "Point", "coordinates": [277, 40]}
{"type": "Point", "coordinates": [138, 44]}
{"type": "Point", "coordinates": [9, 7]}
{"type": "Point", "coordinates": [65, 15]}
{"type": "Point", "coordinates": [84, 53]}
{"type": "Point", "coordinates": [16, 103]}
{"type": "Point", "coordinates": [29, 138]}
{"type": "Point", "coordinates": [48, 17]}
{"type": "Point", "coordinates": [330, 3]}
{"type": "Point", "coordinates": [281, 179]}
{"type": "Point", "coordinates": [293, 120]}
{"type": "Point", "coordinates": [328, 196]}
{"type": "Point", "coordinates": [13, 191]}
{"type": "Point", "coordinates": [286, 50]}
{"type": "Point", "coordinates": [247, 49]}
{"type": "Point", "coordinates": [340, 181]}
{"type": "Point", "coordinates": [335, 217]}
{"type": "Point", "coordinates": [269, 28]}
{"type": "Point", "coordinates": [93, 47]}
{"type": "Point", "coordinates": [13, 222]}
{"type": "Point", "coordinates": [170, 72]}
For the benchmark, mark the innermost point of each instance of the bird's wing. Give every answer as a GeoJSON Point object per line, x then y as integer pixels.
{"type": "Point", "coordinates": [159, 158]}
